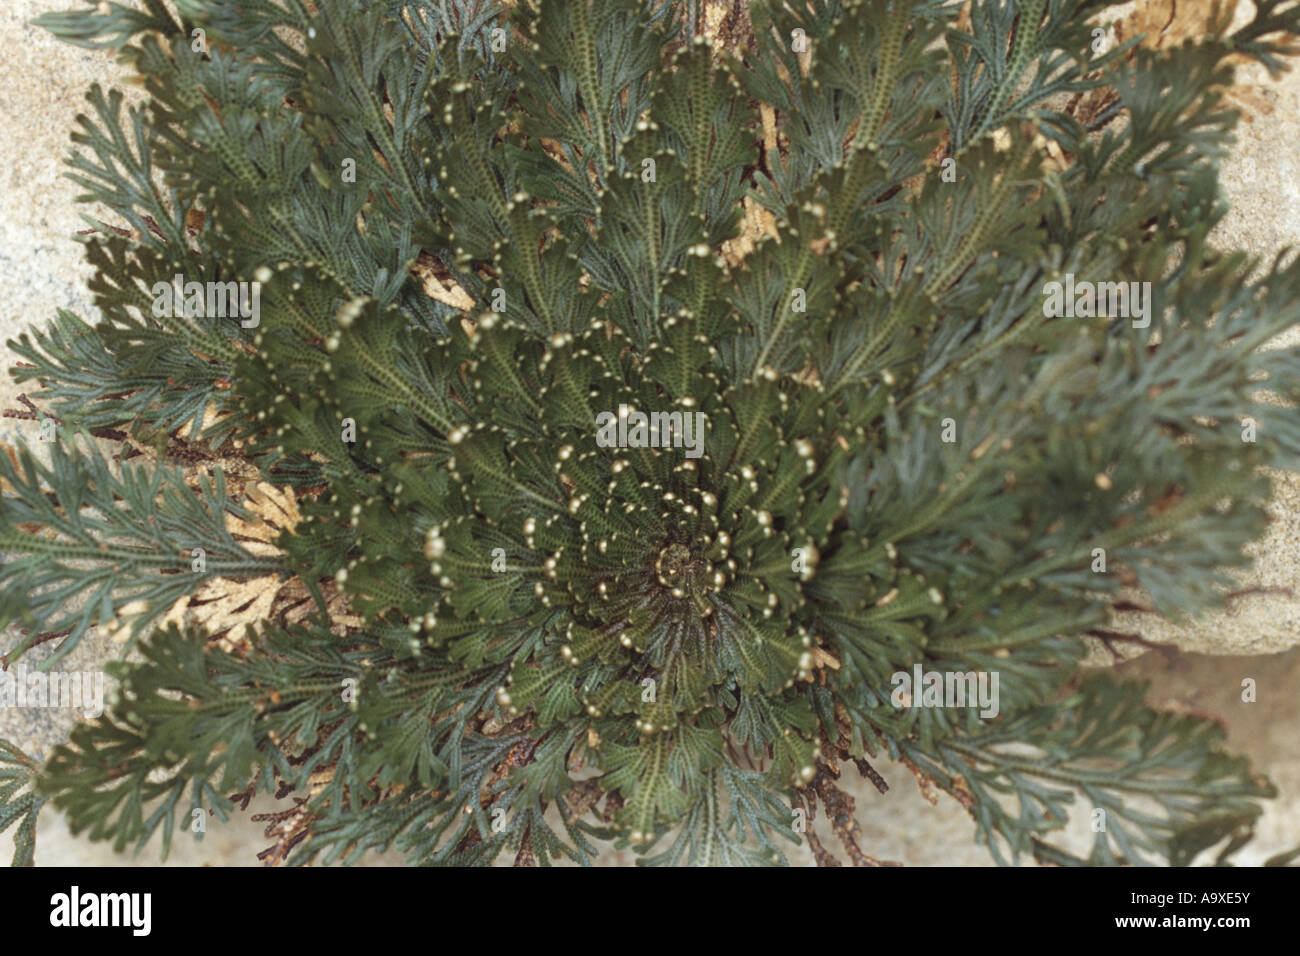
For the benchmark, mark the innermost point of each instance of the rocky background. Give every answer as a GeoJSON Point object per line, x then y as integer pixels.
{"type": "Point", "coordinates": [42, 270]}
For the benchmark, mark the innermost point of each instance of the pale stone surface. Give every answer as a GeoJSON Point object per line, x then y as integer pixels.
{"type": "Point", "coordinates": [43, 270]}
{"type": "Point", "coordinates": [41, 267]}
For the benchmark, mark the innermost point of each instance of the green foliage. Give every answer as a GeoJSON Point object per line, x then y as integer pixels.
{"type": "Point", "coordinates": [113, 537]}
{"type": "Point", "coordinates": [19, 801]}
{"type": "Point", "coordinates": [566, 643]}
{"type": "Point", "coordinates": [1165, 791]}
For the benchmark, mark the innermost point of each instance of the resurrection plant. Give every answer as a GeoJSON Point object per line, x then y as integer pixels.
{"type": "Point", "coordinates": [517, 430]}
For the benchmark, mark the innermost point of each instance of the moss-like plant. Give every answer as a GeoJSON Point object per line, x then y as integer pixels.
{"type": "Point", "coordinates": [660, 421]}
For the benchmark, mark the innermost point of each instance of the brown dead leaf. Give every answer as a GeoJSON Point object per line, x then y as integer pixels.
{"type": "Point", "coordinates": [963, 17]}
{"type": "Point", "coordinates": [808, 375]}
{"type": "Point", "coordinates": [12, 454]}
{"type": "Point", "coordinates": [769, 128]}
{"type": "Point", "coordinates": [824, 658]}
{"type": "Point", "coordinates": [1168, 23]}
{"type": "Point", "coordinates": [296, 605]}
{"type": "Point", "coordinates": [211, 416]}
{"type": "Point", "coordinates": [276, 511]}
{"type": "Point", "coordinates": [438, 283]}
{"type": "Point", "coordinates": [755, 223]}
{"type": "Point", "coordinates": [1056, 160]}
{"type": "Point", "coordinates": [924, 782]}
{"type": "Point", "coordinates": [1164, 24]}
{"type": "Point", "coordinates": [225, 608]}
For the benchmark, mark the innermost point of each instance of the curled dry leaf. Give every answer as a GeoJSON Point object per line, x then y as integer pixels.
{"type": "Point", "coordinates": [226, 608]}
{"type": "Point", "coordinates": [1163, 24]}
{"type": "Point", "coordinates": [438, 283]}
{"type": "Point", "coordinates": [276, 511]}
{"type": "Point", "coordinates": [1168, 23]}
{"type": "Point", "coordinates": [754, 224]}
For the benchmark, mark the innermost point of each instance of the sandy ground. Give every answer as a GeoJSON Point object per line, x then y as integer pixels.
{"type": "Point", "coordinates": [41, 270]}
